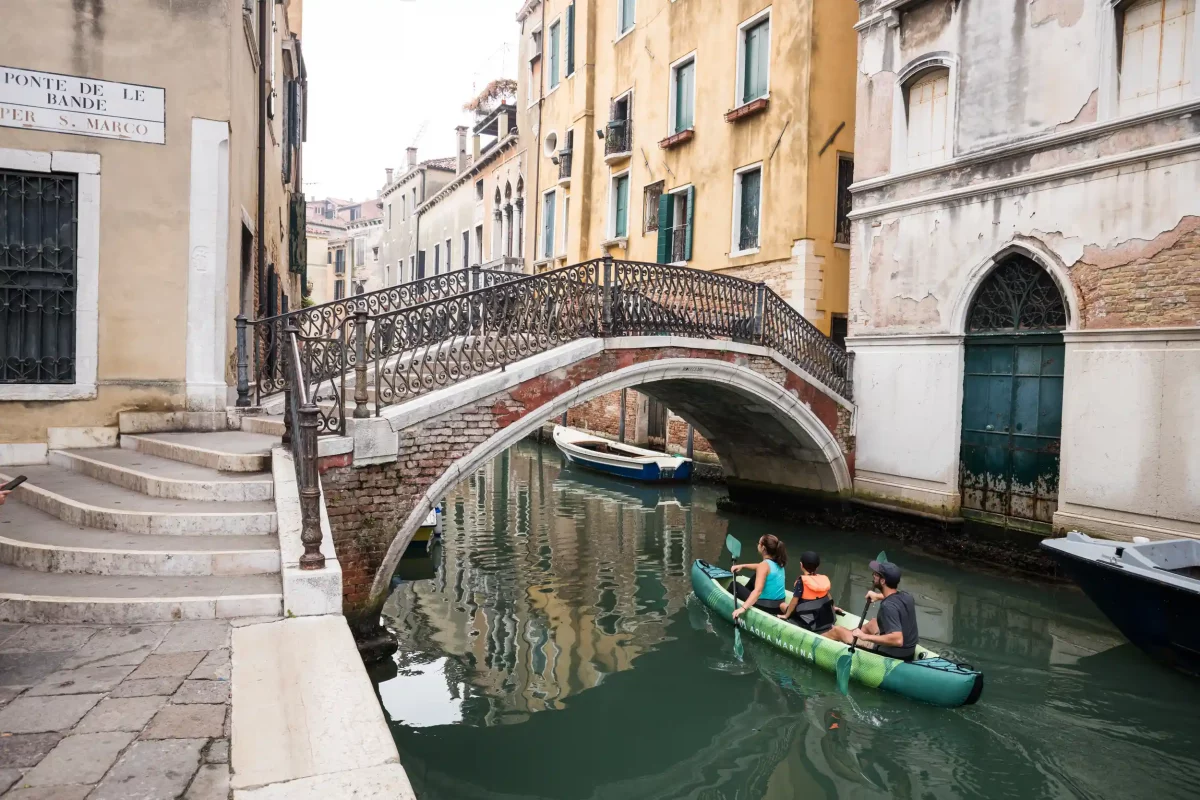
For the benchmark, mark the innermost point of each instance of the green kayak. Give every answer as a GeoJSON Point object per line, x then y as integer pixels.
{"type": "Point", "coordinates": [928, 677]}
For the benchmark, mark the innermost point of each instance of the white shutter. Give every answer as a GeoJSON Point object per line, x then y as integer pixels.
{"type": "Point", "coordinates": [929, 120]}
{"type": "Point", "coordinates": [1156, 54]}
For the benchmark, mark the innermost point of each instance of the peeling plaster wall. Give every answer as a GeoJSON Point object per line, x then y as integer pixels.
{"type": "Point", "coordinates": [1109, 206]}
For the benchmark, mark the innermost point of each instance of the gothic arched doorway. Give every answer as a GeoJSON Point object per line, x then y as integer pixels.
{"type": "Point", "coordinates": [1012, 397]}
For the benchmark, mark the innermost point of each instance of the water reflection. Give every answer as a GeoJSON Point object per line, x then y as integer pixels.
{"type": "Point", "coordinates": [556, 653]}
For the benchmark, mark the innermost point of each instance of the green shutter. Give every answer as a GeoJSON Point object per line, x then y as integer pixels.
{"type": "Point", "coordinates": [685, 82]}
{"type": "Point", "coordinates": [755, 67]}
{"type": "Point", "coordinates": [691, 216]}
{"type": "Point", "coordinates": [621, 228]}
{"type": "Point", "coordinates": [571, 39]}
{"type": "Point", "coordinates": [554, 43]}
{"type": "Point", "coordinates": [666, 210]}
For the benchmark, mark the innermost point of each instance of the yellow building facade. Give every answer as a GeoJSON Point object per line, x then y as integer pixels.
{"type": "Point", "coordinates": [712, 133]}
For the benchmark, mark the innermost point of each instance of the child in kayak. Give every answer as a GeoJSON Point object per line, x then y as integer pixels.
{"type": "Point", "coordinates": [804, 608]}
{"type": "Point", "coordinates": [765, 589]}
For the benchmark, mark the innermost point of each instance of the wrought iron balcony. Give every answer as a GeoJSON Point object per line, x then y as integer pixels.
{"type": "Point", "coordinates": [564, 165]}
{"type": "Point", "coordinates": [618, 140]}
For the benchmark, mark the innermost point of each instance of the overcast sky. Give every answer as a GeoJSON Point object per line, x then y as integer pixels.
{"type": "Point", "coordinates": [380, 69]}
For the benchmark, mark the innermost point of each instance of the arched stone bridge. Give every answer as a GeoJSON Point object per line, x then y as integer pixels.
{"type": "Point", "coordinates": [441, 387]}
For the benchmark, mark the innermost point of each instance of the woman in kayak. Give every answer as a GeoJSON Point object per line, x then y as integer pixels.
{"type": "Point", "coordinates": [765, 589]}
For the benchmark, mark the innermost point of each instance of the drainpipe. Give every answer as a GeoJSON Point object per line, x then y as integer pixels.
{"type": "Point", "coordinates": [537, 162]}
{"type": "Point", "coordinates": [260, 233]}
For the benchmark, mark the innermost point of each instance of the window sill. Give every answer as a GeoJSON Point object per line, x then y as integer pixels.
{"type": "Point", "coordinates": [753, 251]}
{"type": "Point", "coordinates": [842, 245]}
{"type": "Point", "coordinates": [48, 391]}
{"type": "Point", "coordinates": [565, 180]}
{"type": "Point", "coordinates": [678, 139]}
{"type": "Point", "coordinates": [618, 241]}
{"type": "Point", "coordinates": [545, 262]}
{"type": "Point", "coordinates": [553, 89]}
{"type": "Point", "coordinates": [613, 158]}
{"type": "Point", "coordinates": [750, 109]}
{"type": "Point", "coordinates": [625, 33]}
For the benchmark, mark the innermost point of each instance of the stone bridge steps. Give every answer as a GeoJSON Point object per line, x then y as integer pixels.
{"type": "Point", "coordinates": [266, 424]}
{"type": "Point", "coordinates": [83, 500]}
{"type": "Point", "coordinates": [169, 526]}
{"type": "Point", "coordinates": [35, 540]}
{"type": "Point", "coordinates": [225, 451]}
{"type": "Point", "coordinates": [163, 477]}
{"type": "Point", "coordinates": [28, 596]}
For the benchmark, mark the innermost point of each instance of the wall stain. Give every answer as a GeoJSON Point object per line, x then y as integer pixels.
{"type": "Point", "coordinates": [1065, 12]}
{"type": "Point", "coordinates": [88, 26]}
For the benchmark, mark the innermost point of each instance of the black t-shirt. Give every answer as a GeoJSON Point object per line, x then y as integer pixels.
{"type": "Point", "coordinates": [898, 612]}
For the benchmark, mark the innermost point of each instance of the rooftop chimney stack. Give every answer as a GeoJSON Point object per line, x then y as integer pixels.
{"type": "Point", "coordinates": [389, 175]}
{"type": "Point", "coordinates": [412, 157]}
{"type": "Point", "coordinates": [475, 146]}
{"type": "Point", "coordinates": [461, 130]}
{"type": "Point", "coordinates": [502, 122]}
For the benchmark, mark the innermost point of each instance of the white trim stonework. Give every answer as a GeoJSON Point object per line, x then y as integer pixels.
{"type": "Point", "coordinates": [87, 265]}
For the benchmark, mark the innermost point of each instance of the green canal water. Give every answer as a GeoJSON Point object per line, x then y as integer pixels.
{"type": "Point", "coordinates": [550, 647]}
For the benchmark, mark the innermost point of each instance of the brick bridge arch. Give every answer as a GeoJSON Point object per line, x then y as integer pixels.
{"type": "Point", "coordinates": [771, 423]}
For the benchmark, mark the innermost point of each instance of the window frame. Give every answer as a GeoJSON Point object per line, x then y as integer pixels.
{"type": "Point", "coordinates": [739, 92]}
{"type": "Point", "coordinates": [466, 241]}
{"type": "Point", "coordinates": [623, 32]}
{"type": "Point", "coordinates": [566, 224]}
{"type": "Point", "coordinates": [1112, 92]}
{"type": "Point", "coordinates": [546, 237]}
{"type": "Point", "coordinates": [647, 205]}
{"type": "Point", "coordinates": [735, 250]}
{"type": "Point", "coordinates": [687, 190]}
{"type": "Point", "coordinates": [910, 74]}
{"type": "Point", "coordinates": [673, 94]}
{"type": "Point", "coordinates": [553, 60]}
{"type": "Point", "coordinates": [838, 216]}
{"type": "Point", "coordinates": [613, 234]}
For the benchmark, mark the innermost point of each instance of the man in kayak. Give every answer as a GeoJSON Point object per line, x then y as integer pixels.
{"type": "Point", "coordinates": [894, 633]}
{"type": "Point", "coordinates": [811, 606]}
{"type": "Point", "coordinates": [766, 589]}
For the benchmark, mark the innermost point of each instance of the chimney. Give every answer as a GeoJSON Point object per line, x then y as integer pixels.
{"type": "Point", "coordinates": [389, 175]}
{"type": "Point", "coordinates": [475, 146]}
{"type": "Point", "coordinates": [412, 157]}
{"type": "Point", "coordinates": [502, 122]}
{"type": "Point", "coordinates": [461, 130]}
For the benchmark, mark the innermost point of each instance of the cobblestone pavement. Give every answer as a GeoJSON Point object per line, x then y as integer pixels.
{"type": "Point", "coordinates": [137, 712]}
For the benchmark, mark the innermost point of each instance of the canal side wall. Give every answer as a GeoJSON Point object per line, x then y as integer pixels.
{"type": "Point", "coordinates": [406, 460]}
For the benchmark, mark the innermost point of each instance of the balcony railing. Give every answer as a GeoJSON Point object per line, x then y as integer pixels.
{"type": "Point", "coordinates": [564, 165]}
{"type": "Point", "coordinates": [619, 138]}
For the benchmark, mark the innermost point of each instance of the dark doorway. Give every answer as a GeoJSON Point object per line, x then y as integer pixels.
{"type": "Point", "coordinates": [1012, 398]}
{"type": "Point", "coordinates": [656, 424]}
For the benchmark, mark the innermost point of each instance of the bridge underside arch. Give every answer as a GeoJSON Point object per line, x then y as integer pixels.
{"type": "Point", "coordinates": [762, 432]}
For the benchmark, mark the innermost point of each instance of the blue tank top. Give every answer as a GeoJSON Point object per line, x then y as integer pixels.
{"type": "Point", "coordinates": [773, 585]}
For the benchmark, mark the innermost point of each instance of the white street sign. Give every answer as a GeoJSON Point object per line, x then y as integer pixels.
{"type": "Point", "coordinates": [48, 101]}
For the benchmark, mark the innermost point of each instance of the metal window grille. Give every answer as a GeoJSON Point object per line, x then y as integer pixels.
{"type": "Point", "coordinates": [751, 183]}
{"type": "Point", "coordinates": [845, 177]}
{"type": "Point", "coordinates": [38, 277]}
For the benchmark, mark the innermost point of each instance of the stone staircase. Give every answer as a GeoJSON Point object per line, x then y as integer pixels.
{"type": "Point", "coordinates": [177, 525]}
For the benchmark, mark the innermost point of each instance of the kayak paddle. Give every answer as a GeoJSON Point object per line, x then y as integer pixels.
{"type": "Point", "coordinates": [735, 550]}
{"type": "Point", "coordinates": [845, 661]}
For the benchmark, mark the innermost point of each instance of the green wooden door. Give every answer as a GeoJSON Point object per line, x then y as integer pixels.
{"type": "Point", "coordinates": [1011, 424]}
{"type": "Point", "coordinates": [1012, 397]}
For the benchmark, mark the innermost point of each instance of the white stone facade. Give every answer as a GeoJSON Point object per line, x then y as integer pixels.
{"type": "Point", "coordinates": [1044, 157]}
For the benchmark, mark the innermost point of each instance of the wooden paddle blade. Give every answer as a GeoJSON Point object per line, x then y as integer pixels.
{"type": "Point", "coordinates": [734, 546]}
{"type": "Point", "coordinates": [844, 664]}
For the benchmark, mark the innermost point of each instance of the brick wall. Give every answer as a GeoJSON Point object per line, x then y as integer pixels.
{"type": "Point", "coordinates": [602, 416]}
{"type": "Point", "coordinates": [1142, 284]}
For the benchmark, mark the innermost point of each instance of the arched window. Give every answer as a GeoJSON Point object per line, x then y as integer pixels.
{"type": "Point", "coordinates": [1018, 295]}
{"type": "Point", "coordinates": [927, 102]}
{"type": "Point", "coordinates": [1157, 44]}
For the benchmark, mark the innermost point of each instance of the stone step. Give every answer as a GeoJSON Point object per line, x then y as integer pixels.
{"type": "Point", "coordinates": [29, 596]}
{"type": "Point", "coordinates": [91, 503]}
{"type": "Point", "coordinates": [34, 540]}
{"type": "Point", "coordinates": [163, 477]}
{"type": "Point", "coordinates": [267, 424]}
{"type": "Point", "coordinates": [225, 451]}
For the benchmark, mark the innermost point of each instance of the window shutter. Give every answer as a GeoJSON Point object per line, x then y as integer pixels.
{"type": "Point", "coordinates": [691, 215]}
{"type": "Point", "coordinates": [571, 39]}
{"type": "Point", "coordinates": [666, 209]}
{"type": "Point", "coordinates": [622, 227]}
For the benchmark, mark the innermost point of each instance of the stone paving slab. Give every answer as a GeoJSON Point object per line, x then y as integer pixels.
{"type": "Point", "coordinates": [152, 770]}
{"type": "Point", "coordinates": [121, 714]}
{"type": "Point", "coordinates": [135, 712]}
{"type": "Point", "coordinates": [144, 688]}
{"type": "Point", "coordinates": [26, 749]}
{"type": "Point", "coordinates": [45, 714]}
{"type": "Point", "coordinates": [83, 758]}
{"type": "Point", "coordinates": [49, 793]}
{"type": "Point", "coordinates": [81, 681]}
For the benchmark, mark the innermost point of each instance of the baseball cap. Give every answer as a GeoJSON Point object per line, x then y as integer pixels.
{"type": "Point", "coordinates": [889, 571]}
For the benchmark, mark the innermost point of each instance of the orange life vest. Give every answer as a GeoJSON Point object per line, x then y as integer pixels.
{"type": "Point", "coordinates": [815, 586]}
